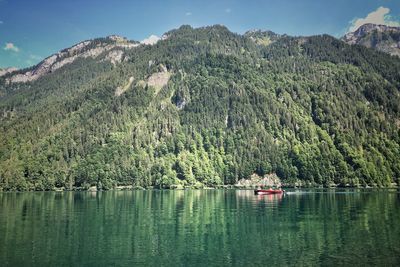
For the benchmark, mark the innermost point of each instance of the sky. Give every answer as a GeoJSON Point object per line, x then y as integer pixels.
{"type": "Point", "coordinates": [31, 30]}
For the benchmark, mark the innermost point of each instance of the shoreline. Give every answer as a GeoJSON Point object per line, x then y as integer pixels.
{"type": "Point", "coordinates": [222, 187]}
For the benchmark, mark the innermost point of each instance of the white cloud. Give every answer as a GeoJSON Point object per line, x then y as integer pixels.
{"type": "Point", "coordinates": [11, 47]}
{"type": "Point", "coordinates": [379, 16]}
{"type": "Point", "coordinates": [188, 14]}
{"type": "Point", "coordinates": [228, 10]}
{"type": "Point", "coordinates": [152, 39]}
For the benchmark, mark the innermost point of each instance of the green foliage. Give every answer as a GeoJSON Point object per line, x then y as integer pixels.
{"type": "Point", "coordinates": [313, 109]}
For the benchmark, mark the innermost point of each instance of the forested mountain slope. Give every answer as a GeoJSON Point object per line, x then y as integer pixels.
{"type": "Point", "coordinates": [205, 107]}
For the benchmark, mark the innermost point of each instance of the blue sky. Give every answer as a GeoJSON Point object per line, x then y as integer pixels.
{"type": "Point", "coordinates": [31, 30]}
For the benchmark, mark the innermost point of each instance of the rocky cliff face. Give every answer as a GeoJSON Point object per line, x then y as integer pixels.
{"type": "Point", "coordinates": [6, 71]}
{"type": "Point", "coordinates": [380, 37]}
{"type": "Point", "coordinates": [112, 47]}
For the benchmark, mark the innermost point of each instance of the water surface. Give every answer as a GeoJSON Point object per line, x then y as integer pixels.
{"type": "Point", "coordinates": [200, 227]}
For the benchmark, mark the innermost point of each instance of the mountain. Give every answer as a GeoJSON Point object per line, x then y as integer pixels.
{"type": "Point", "coordinates": [202, 107]}
{"type": "Point", "coordinates": [380, 37]}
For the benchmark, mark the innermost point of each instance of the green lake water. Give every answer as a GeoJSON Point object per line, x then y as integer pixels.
{"type": "Point", "coordinates": [200, 228]}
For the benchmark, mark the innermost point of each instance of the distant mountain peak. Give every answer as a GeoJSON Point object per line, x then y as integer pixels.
{"type": "Point", "coordinates": [380, 37]}
{"type": "Point", "coordinates": [372, 26]}
{"type": "Point", "coordinates": [368, 28]}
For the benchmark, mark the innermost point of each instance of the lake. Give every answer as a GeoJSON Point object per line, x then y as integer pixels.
{"type": "Point", "coordinates": [200, 228]}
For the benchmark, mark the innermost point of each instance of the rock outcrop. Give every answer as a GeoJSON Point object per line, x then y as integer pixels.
{"type": "Point", "coordinates": [268, 180]}
{"type": "Point", "coordinates": [159, 79]}
{"type": "Point", "coordinates": [380, 37]}
{"type": "Point", "coordinates": [7, 70]}
{"type": "Point", "coordinates": [121, 89]}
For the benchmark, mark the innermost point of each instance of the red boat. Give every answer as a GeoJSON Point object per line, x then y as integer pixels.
{"type": "Point", "coordinates": [268, 191]}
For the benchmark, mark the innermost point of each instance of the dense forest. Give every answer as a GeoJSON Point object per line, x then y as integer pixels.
{"type": "Point", "coordinates": [310, 109]}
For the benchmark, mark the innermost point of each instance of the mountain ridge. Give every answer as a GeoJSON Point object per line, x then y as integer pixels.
{"type": "Point", "coordinates": [89, 48]}
{"type": "Point", "coordinates": [44, 66]}
{"type": "Point", "coordinates": [264, 37]}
